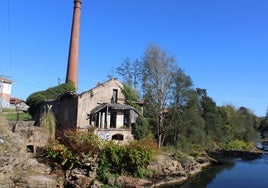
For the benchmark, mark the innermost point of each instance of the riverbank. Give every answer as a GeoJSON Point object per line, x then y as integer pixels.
{"type": "Point", "coordinates": [167, 170]}
{"type": "Point", "coordinates": [232, 172]}
{"type": "Point", "coordinates": [244, 155]}
{"type": "Point", "coordinates": [172, 171]}
{"type": "Point", "coordinates": [174, 174]}
{"type": "Point", "coordinates": [213, 158]}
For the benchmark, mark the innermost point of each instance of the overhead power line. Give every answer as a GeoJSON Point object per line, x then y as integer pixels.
{"type": "Point", "coordinates": [9, 37]}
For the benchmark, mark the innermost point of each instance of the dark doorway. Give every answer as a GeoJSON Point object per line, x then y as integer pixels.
{"type": "Point", "coordinates": [113, 119]}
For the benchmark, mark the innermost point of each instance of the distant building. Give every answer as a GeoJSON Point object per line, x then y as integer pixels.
{"type": "Point", "coordinates": [18, 104]}
{"type": "Point", "coordinates": [5, 92]}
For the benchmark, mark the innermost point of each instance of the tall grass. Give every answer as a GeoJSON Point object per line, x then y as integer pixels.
{"type": "Point", "coordinates": [4, 127]}
{"type": "Point", "coordinates": [48, 124]}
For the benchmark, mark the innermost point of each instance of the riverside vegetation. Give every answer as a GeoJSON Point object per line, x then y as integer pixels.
{"type": "Point", "coordinates": [179, 125]}
{"type": "Point", "coordinates": [80, 159]}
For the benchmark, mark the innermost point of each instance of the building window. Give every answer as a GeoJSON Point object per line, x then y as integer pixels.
{"type": "Point", "coordinates": [115, 96]}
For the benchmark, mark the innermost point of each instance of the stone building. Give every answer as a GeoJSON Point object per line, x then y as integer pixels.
{"type": "Point", "coordinates": [102, 107]}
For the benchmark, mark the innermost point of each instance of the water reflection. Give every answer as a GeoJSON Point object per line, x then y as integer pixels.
{"type": "Point", "coordinates": [232, 173]}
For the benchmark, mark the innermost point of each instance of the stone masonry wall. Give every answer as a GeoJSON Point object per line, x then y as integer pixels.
{"type": "Point", "coordinates": [102, 93]}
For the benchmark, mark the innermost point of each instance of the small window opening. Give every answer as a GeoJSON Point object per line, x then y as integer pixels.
{"type": "Point", "coordinates": [115, 96]}
{"type": "Point", "coordinates": [118, 137]}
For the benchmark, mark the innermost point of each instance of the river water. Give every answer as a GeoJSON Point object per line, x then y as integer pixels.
{"type": "Point", "coordinates": [232, 173]}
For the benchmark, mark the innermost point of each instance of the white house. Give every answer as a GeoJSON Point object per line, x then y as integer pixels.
{"type": "Point", "coordinates": [5, 92]}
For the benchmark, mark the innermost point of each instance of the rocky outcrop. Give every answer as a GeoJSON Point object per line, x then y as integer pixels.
{"type": "Point", "coordinates": [169, 170]}
{"type": "Point", "coordinates": [20, 143]}
{"type": "Point", "coordinates": [166, 170]}
{"type": "Point", "coordinates": [18, 167]}
{"type": "Point", "coordinates": [84, 176]}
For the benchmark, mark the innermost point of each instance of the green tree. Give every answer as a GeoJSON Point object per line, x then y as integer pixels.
{"type": "Point", "coordinates": [34, 101]}
{"type": "Point", "coordinates": [131, 96]}
{"type": "Point", "coordinates": [187, 125]}
{"type": "Point", "coordinates": [227, 112]}
{"type": "Point", "coordinates": [182, 88]}
{"type": "Point", "coordinates": [210, 113]}
{"type": "Point", "coordinates": [248, 121]}
{"type": "Point", "coordinates": [141, 128]}
{"type": "Point", "coordinates": [177, 113]}
{"type": "Point", "coordinates": [192, 130]}
{"type": "Point", "coordinates": [264, 127]}
{"type": "Point", "coordinates": [239, 124]}
{"type": "Point", "coordinates": [130, 72]}
{"type": "Point", "coordinates": [182, 92]}
{"type": "Point", "coordinates": [158, 71]}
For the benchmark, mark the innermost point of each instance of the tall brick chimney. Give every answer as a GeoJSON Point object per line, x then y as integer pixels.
{"type": "Point", "coordinates": [72, 69]}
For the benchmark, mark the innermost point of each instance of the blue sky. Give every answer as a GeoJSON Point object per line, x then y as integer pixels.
{"type": "Point", "coordinates": [221, 44]}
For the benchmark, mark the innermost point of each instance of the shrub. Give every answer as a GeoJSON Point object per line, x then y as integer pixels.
{"type": "Point", "coordinates": [71, 147]}
{"type": "Point", "coordinates": [60, 154]}
{"type": "Point", "coordinates": [141, 153]}
{"type": "Point", "coordinates": [237, 145]}
{"type": "Point", "coordinates": [79, 141]}
{"type": "Point", "coordinates": [112, 159]}
{"type": "Point", "coordinates": [131, 159]}
{"type": "Point", "coordinates": [141, 128]}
